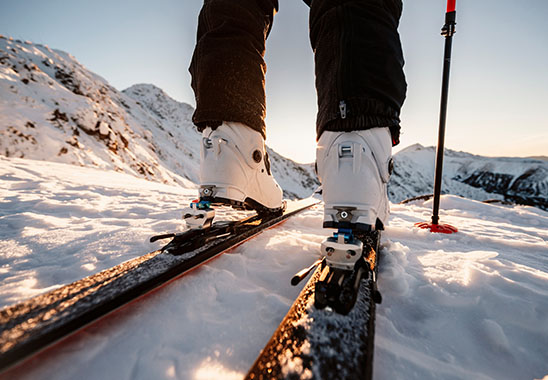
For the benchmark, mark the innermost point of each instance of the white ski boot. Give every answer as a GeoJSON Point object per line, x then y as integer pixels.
{"type": "Point", "coordinates": [354, 169]}
{"type": "Point", "coordinates": [235, 169]}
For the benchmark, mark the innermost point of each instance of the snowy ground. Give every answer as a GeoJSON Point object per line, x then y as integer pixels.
{"type": "Point", "coordinates": [468, 306]}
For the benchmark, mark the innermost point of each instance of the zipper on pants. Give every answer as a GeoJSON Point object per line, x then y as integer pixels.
{"type": "Point", "coordinates": [342, 109]}
{"type": "Point", "coordinates": [340, 73]}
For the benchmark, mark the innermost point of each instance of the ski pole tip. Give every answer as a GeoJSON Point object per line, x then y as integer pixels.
{"type": "Point", "coordinates": [437, 228]}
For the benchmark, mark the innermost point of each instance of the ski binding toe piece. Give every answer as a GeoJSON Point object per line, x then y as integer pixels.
{"type": "Point", "coordinates": [347, 259]}
{"type": "Point", "coordinates": [199, 214]}
{"type": "Point", "coordinates": [342, 250]}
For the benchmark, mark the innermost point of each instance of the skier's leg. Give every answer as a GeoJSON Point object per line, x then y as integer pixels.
{"type": "Point", "coordinates": [228, 68]}
{"type": "Point", "coordinates": [359, 64]}
{"type": "Point", "coordinates": [228, 72]}
{"type": "Point", "coordinates": [361, 88]}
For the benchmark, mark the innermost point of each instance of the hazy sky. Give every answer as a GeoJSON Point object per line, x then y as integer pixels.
{"type": "Point", "coordinates": [499, 82]}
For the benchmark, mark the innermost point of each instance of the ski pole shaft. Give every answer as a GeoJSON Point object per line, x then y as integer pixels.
{"type": "Point", "coordinates": [447, 31]}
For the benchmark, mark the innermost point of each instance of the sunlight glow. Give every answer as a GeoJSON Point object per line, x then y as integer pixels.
{"type": "Point", "coordinates": [455, 267]}
{"type": "Point", "coordinates": [170, 372]}
{"type": "Point", "coordinates": [210, 370]}
{"type": "Point", "coordinates": [89, 267]}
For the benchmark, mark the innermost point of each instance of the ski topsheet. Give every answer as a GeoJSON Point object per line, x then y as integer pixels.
{"type": "Point", "coordinates": [322, 344]}
{"type": "Point", "coordinates": [36, 323]}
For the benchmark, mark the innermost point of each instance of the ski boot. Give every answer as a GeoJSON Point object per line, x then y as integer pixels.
{"type": "Point", "coordinates": [354, 168]}
{"type": "Point", "coordinates": [234, 171]}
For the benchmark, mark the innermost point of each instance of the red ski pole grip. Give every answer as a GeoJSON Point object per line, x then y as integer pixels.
{"type": "Point", "coordinates": [451, 5]}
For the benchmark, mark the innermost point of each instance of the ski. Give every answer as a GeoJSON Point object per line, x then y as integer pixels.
{"type": "Point", "coordinates": [325, 338]}
{"type": "Point", "coordinates": [34, 324]}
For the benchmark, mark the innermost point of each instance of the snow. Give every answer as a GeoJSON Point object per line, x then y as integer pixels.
{"type": "Point", "coordinates": [59, 223]}
{"type": "Point", "coordinates": [469, 305]}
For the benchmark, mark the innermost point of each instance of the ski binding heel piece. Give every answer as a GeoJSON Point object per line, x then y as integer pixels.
{"type": "Point", "coordinates": [342, 250]}
{"type": "Point", "coordinates": [199, 214]}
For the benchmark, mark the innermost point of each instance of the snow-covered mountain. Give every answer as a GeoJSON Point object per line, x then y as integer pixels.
{"type": "Point", "coordinates": [517, 180]}
{"type": "Point", "coordinates": [297, 180]}
{"type": "Point", "coordinates": [52, 108]}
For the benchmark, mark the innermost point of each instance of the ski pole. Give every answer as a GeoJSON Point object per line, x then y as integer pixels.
{"type": "Point", "coordinates": [448, 30]}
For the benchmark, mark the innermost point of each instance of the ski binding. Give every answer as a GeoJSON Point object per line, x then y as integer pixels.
{"type": "Point", "coordinates": [346, 260]}
{"type": "Point", "coordinates": [199, 214]}
{"type": "Point", "coordinates": [342, 250]}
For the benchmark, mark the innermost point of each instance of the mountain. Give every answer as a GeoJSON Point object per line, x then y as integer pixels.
{"type": "Point", "coordinates": [52, 108]}
{"type": "Point", "coordinates": [516, 180]}
{"type": "Point", "coordinates": [297, 180]}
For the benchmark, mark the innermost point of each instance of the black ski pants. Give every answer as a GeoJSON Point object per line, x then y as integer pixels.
{"type": "Point", "coordinates": [358, 61]}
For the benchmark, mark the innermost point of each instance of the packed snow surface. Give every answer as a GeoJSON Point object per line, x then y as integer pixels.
{"type": "Point", "coordinates": [473, 305]}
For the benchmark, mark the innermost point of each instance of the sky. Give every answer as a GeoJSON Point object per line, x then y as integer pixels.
{"type": "Point", "coordinates": [498, 87]}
